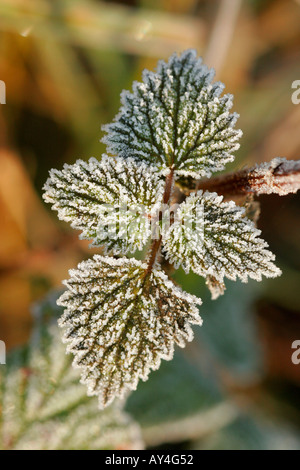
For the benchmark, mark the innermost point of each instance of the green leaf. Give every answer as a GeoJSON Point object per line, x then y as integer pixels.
{"type": "Point", "coordinates": [176, 391]}
{"type": "Point", "coordinates": [179, 403]}
{"type": "Point", "coordinates": [111, 200]}
{"type": "Point", "coordinates": [215, 240]}
{"type": "Point", "coordinates": [230, 336]}
{"type": "Point", "coordinates": [121, 320]}
{"type": "Point", "coordinates": [229, 339]}
{"type": "Point", "coordinates": [176, 118]}
{"type": "Point", "coordinates": [42, 404]}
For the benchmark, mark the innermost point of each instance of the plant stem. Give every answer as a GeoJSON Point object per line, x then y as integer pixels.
{"type": "Point", "coordinates": [280, 176]}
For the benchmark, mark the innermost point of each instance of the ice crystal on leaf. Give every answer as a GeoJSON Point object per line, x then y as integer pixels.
{"type": "Point", "coordinates": [222, 242]}
{"type": "Point", "coordinates": [111, 200]}
{"type": "Point", "coordinates": [121, 320]}
{"type": "Point", "coordinates": [176, 118]}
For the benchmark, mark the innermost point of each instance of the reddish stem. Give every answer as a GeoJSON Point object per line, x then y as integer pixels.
{"type": "Point", "coordinates": [279, 176]}
{"type": "Point", "coordinates": [154, 249]}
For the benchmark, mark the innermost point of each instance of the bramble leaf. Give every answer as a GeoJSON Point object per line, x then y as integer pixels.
{"type": "Point", "coordinates": [215, 240]}
{"type": "Point", "coordinates": [111, 200]}
{"type": "Point", "coordinates": [121, 320]}
{"type": "Point", "coordinates": [176, 118]}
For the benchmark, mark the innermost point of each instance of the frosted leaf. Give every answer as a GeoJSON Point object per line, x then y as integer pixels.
{"type": "Point", "coordinates": [176, 117]}
{"type": "Point", "coordinates": [221, 243]}
{"type": "Point", "coordinates": [121, 320]}
{"type": "Point", "coordinates": [44, 407]}
{"type": "Point", "coordinates": [111, 200]}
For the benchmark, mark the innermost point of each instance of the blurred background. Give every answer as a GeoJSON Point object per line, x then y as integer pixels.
{"type": "Point", "coordinates": [64, 64]}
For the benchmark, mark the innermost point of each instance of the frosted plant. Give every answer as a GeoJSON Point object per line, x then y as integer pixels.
{"type": "Point", "coordinates": [122, 316]}
{"type": "Point", "coordinates": [42, 405]}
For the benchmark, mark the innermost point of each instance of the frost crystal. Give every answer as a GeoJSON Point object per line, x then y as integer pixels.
{"type": "Point", "coordinates": [268, 175]}
{"type": "Point", "coordinates": [223, 243]}
{"type": "Point", "coordinates": [176, 118]}
{"type": "Point", "coordinates": [111, 200]}
{"type": "Point", "coordinates": [121, 320]}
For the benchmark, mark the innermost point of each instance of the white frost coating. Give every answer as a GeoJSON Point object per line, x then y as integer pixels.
{"type": "Point", "coordinates": [119, 323]}
{"type": "Point", "coordinates": [224, 243]}
{"type": "Point", "coordinates": [176, 116]}
{"type": "Point", "coordinates": [110, 200]}
{"type": "Point", "coordinates": [267, 180]}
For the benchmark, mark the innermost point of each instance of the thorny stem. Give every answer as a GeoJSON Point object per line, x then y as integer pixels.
{"type": "Point", "coordinates": [154, 249]}
{"type": "Point", "coordinates": [280, 176]}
